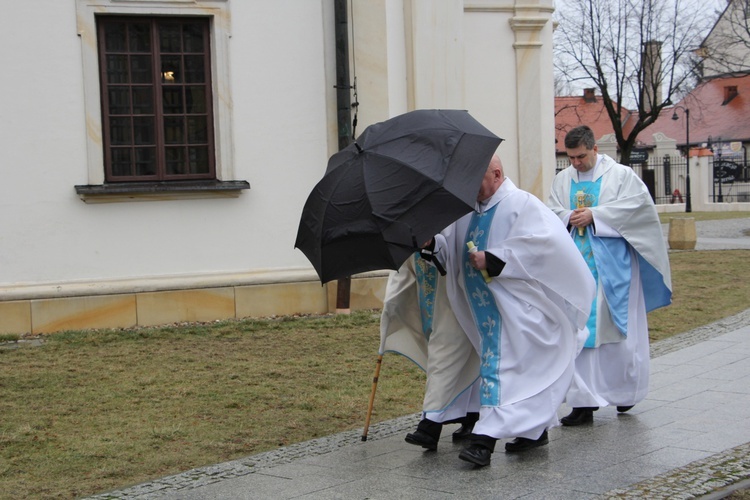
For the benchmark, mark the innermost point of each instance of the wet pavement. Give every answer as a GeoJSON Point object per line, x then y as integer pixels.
{"type": "Point", "coordinates": [690, 438]}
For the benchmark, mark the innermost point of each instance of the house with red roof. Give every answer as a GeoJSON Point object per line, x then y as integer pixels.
{"type": "Point", "coordinates": [719, 110]}
{"type": "Point", "coordinates": [715, 116]}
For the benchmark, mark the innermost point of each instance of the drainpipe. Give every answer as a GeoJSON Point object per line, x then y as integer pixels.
{"type": "Point", "coordinates": [344, 115]}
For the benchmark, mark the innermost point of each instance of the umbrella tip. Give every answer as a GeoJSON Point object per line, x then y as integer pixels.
{"type": "Point", "coordinates": [359, 148]}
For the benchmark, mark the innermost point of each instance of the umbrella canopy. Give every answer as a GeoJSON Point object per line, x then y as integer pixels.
{"type": "Point", "coordinates": [402, 181]}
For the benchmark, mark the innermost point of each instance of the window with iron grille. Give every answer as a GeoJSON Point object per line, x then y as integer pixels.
{"type": "Point", "coordinates": [157, 118]}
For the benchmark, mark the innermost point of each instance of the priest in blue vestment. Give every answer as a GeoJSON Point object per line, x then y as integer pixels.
{"type": "Point", "coordinates": [521, 291]}
{"type": "Point", "coordinates": [614, 223]}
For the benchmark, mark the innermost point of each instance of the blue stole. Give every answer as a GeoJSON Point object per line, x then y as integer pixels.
{"type": "Point", "coordinates": [611, 256]}
{"type": "Point", "coordinates": [426, 290]}
{"type": "Point", "coordinates": [483, 307]}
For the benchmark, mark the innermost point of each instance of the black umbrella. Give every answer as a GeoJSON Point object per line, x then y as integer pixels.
{"type": "Point", "coordinates": [386, 194]}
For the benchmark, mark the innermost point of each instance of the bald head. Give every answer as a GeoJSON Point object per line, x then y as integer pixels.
{"type": "Point", "coordinates": [493, 178]}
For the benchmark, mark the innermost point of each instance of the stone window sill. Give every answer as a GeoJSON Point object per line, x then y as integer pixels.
{"type": "Point", "coordinates": [158, 191]}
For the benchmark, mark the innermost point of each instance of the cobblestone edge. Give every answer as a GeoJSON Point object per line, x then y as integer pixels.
{"type": "Point", "coordinates": [691, 481]}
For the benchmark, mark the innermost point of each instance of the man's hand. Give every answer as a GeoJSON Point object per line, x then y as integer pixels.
{"type": "Point", "coordinates": [478, 260]}
{"type": "Point", "coordinates": [581, 217]}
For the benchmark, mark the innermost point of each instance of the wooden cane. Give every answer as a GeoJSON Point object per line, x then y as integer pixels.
{"type": "Point", "coordinates": [372, 396]}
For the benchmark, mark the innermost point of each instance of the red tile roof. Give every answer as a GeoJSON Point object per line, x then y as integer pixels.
{"type": "Point", "coordinates": [573, 111]}
{"type": "Point", "coordinates": [709, 115]}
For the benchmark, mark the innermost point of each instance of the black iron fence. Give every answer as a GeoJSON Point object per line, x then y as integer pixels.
{"type": "Point", "coordinates": [731, 180]}
{"type": "Point", "coordinates": [666, 177]}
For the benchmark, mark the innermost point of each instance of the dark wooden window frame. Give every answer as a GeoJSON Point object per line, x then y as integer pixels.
{"type": "Point", "coordinates": [144, 65]}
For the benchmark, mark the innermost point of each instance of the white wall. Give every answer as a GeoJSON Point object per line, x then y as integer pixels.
{"type": "Point", "coordinates": [280, 139]}
{"type": "Point", "coordinates": [277, 116]}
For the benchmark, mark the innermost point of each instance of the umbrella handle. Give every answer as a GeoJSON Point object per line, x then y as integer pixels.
{"type": "Point", "coordinates": [372, 396]}
{"type": "Point", "coordinates": [439, 267]}
{"type": "Point", "coordinates": [428, 255]}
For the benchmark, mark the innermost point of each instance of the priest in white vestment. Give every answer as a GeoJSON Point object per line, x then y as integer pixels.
{"type": "Point", "coordinates": [418, 323]}
{"type": "Point", "coordinates": [521, 296]}
{"type": "Point", "coordinates": [614, 223]}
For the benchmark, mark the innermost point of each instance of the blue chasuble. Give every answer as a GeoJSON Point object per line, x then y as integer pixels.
{"type": "Point", "coordinates": [611, 256]}
{"type": "Point", "coordinates": [484, 309]}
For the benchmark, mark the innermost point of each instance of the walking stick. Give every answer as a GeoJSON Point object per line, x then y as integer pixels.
{"type": "Point", "coordinates": [372, 396]}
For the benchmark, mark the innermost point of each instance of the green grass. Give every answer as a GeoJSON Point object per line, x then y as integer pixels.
{"type": "Point", "coordinates": [706, 286]}
{"type": "Point", "coordinates": [700, 216]}
{"type": "Point", "coordinates": [94, 411]}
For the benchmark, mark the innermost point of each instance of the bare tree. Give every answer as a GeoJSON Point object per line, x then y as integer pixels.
{"type": "Point", "coordinates": [638, 53]}
{"type": "Point", "coordinates": [726, 48]}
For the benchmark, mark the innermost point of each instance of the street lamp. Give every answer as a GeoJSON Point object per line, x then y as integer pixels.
{"type": "Point", "coordinates": [688, 205]}
{"type": "Point", "coordinates": [720, 175]}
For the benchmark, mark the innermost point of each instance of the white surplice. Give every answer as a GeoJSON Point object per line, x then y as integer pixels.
{"type": "Point", "coordinates": [614, 370]}
{"type": "Point", "coordinates": [417, 322]}
{"type": "Point", "coordinates": [542, 298]}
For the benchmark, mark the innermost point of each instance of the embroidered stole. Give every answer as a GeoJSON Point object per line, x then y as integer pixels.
{"type": "Point", "coordinates": [484, 309]}
{"type": "Point", "coordinates": [426, 276]}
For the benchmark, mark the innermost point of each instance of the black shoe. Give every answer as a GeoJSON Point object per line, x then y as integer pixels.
{"type": "Point", "coordinates": [476, 454]}
{"type": "Point", "coordinates": [479, 450]}
{"type": "Point", "coordinates": [427, 434]}
{"type": "Point", "coordinates": [422, 439]}
{"type": "Point", "coordinates": [467, 425]}
{"type": "Point", "coordinates": [523, 444]}
{"type": "Point", "coordinates": [579, 416]}
{"type": "Point", "coordinates": [623, 409]}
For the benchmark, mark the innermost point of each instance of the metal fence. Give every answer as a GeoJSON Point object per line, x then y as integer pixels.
{"type": "Point", "coordinates": [731, 180]}
{"type": "Point", "coordinates": [665, 178]}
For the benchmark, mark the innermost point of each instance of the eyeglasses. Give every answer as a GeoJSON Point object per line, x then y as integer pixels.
{"type": "Point", "coordinates": [578, 157]}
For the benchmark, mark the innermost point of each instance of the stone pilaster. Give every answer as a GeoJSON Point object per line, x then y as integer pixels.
{"type": "Point", "coordinates": [532, 28]}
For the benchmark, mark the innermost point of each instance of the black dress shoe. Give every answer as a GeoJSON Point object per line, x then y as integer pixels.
{"type": "Point", "coordinates": [523, 444]}
{"type": "Point", "coordinates": [623, 409]}
{"type": "Point", "coordinates": [427, 434]}
{"type": "Point", "coordinates": [422, 439]}
{"type": "Point", "coordinates": [579, 416]}
{"type": "Point", "coordinates": [476, 454]}
{"type": "Point", "coordinates": [479, 450]}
